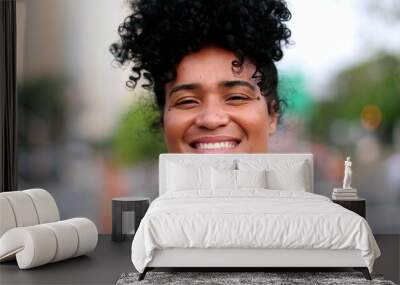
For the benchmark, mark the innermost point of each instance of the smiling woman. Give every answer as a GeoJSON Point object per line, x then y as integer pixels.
{"type": "Point", "coordinates": [211, 67]}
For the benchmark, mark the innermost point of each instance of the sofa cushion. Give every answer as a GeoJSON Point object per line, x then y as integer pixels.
{"type": "Point", "coordinates": [23, 208]}
{"type": "Point", "coordinates": [7, 220]}
{"type": "Point", "coordinates": [45, 205]}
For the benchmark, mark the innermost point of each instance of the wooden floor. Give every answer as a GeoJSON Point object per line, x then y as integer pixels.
{"type": "Point", "coordinates": [111, 259]}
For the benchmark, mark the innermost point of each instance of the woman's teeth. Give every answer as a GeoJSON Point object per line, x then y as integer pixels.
{"type": "Point", "coordinates": [217, 145]}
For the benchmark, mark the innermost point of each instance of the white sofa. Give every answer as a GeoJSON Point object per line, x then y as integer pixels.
{"type": "Point", "coordinates": [31, 231]}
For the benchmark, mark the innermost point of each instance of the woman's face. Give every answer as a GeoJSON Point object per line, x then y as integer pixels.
{"type": "Point", "coordinates": [209, 109]}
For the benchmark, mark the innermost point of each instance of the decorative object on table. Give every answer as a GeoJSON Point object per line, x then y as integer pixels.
{"type": "Point", "coordinates": [123, 209]}
{"type": "Point", "coordinates": [31, 231]}
{"type": "Point", "coordinates": [347, 192]}
{"type": "Point", "coordinates": [347, 174]}
{"type": "Point", "coordinates": [358, 206]}
{"type": "Point", "coordinates": [215, 278]}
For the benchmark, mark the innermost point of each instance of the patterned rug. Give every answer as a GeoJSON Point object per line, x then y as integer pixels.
{"type": "Point", "coordinates": [269, 278]}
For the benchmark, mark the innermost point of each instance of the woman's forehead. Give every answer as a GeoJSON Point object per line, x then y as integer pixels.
{"type": "Point", "coordinates": [210, 66]}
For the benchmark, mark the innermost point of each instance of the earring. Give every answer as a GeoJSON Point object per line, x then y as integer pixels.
{"type": "Point", "coordinates": [258, 98]}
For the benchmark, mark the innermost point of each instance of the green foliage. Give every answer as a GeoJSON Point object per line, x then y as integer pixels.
{"type": "Point", "coordinates": [293, 89]}
{"type": "Point", "coordinates": [374, 82]}
{"type": "Point", "coordinates": [41, 111]}
{"type": "Point", "coordinates": [139, 137]}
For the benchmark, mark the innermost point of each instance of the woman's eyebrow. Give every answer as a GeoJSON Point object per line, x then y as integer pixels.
{"type": "Point", "coordinates": [221, 84]}
{"type": "Point", "coordinates": [189, 86]}
{"type": "Point", "coordinates": [234, 83]}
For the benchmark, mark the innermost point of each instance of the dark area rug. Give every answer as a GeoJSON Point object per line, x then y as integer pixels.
{"type": "Point", "coordinates": [228, 278]}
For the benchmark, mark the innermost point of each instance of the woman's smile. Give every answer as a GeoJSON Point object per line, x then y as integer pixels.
{"type": "Point", "coordinates": [214, 144]}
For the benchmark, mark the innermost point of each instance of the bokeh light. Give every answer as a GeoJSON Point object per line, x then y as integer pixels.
{"type": "Point", "coordinates": [371, 117]}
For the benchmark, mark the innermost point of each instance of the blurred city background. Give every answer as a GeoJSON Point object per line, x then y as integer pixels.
{"type": "Point", "coordinates": [85, 137]}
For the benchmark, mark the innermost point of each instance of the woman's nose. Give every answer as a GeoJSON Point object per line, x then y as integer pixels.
{"type": "Point", "coordinates": [212, 116]}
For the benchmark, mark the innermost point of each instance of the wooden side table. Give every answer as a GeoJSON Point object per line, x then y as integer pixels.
{"type": "Point", "coordinates": [358, 206]}
{"type": "Point", "coordinates": [139, 205]}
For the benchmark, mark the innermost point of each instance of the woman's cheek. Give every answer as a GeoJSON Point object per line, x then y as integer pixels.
{"type": "Point", "coordinates": [175, 124]}
{"type": "Point", "coordinates": [254, 122]}
{"type": "Point", "coordinates": [254, 117]}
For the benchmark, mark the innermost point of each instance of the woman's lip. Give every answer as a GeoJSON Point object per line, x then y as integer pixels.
{"type": "Point", "coordinates": [213, 139]}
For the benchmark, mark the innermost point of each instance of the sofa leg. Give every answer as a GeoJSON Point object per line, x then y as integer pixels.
{"type": "Point", "coordinates": [142, 275]}
{"type": "Point", "coordinates": [364, 271]}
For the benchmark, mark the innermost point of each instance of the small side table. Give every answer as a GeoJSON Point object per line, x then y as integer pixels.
{"type": "Point", "coordinates": [139, 205]}
{"type": "Point", "coordinates": [358, 206]}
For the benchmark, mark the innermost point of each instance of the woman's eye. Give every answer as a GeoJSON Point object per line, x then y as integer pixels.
{"type": "Point", "coordinates": [185, 102]}
{"type": "Point", "coordinates": [237, 98]}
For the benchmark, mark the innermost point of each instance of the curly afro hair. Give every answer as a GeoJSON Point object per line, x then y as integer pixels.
{"type": "Point", "coordinates": [159, 33]}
